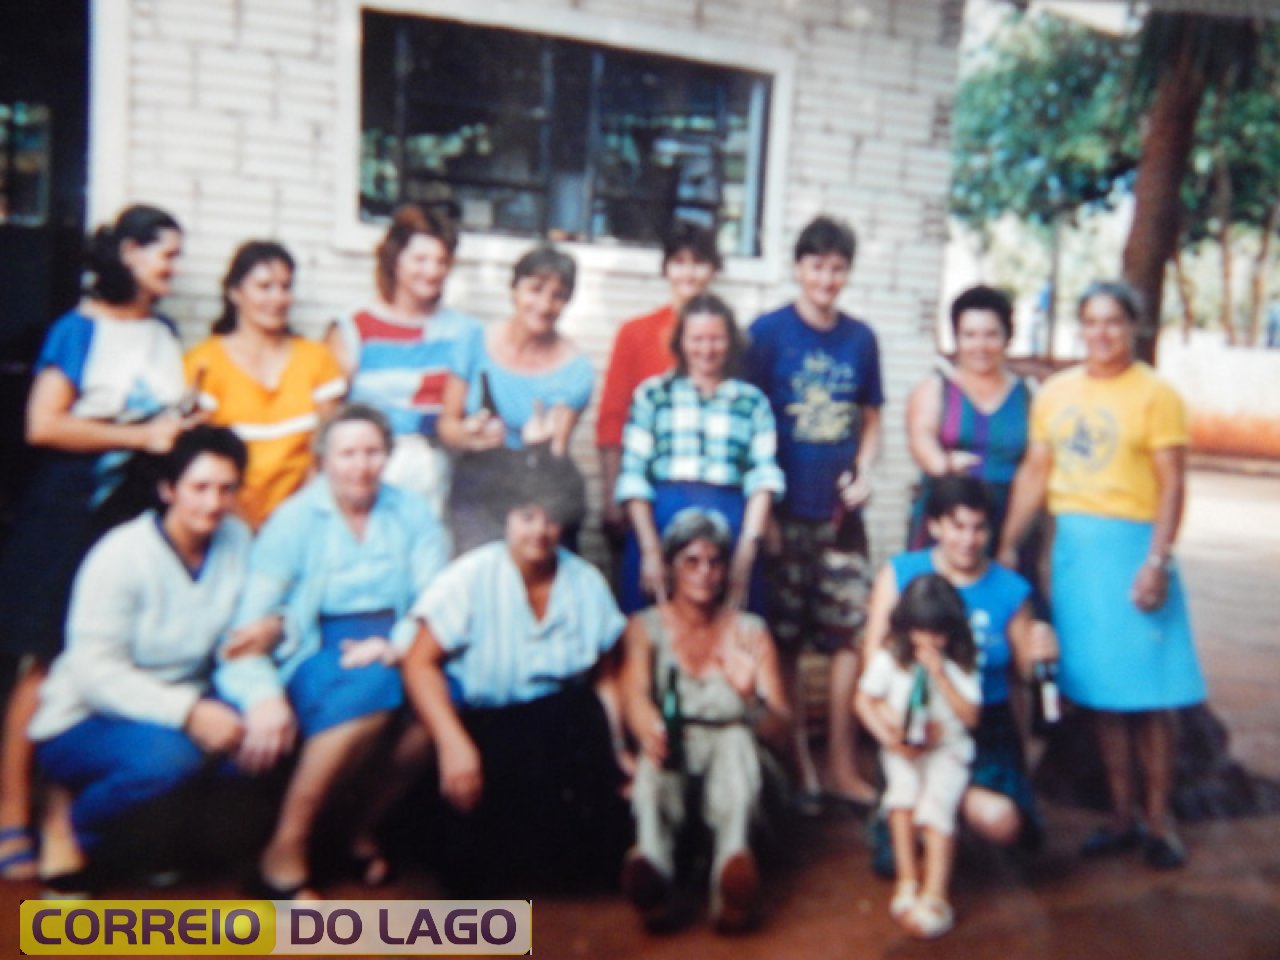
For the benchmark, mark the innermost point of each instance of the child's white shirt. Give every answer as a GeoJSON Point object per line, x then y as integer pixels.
{"type": "Point", "coordinates": [886, 679]}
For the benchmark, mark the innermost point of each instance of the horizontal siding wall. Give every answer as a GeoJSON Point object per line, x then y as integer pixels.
{"type": "Point", "coordinates": [231, 125]}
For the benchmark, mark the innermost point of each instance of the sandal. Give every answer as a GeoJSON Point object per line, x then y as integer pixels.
{"type": "Point", "coordinates": [930, 918]}
{"type": "Point", "coordinates": [20, 862]}
{"type": "Point", "coordinates": [904, 899]}
{"type": "Point", "coordinates": [82, 884]}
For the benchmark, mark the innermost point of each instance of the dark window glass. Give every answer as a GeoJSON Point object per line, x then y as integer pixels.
{"type": "Point", "coordinates": [526, 134]}
{"type": "Point", "coordinates": [24, 163]}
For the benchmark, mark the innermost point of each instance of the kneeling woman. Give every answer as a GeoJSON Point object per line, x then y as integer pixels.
{"type": "Point", "coordinates": [341, 561]}
{"type": "Point", "coordinates": [716, 672]}
{"type": "Point", "coordinates": [125, 716]}
{"type": "Point", "coordinates": [515, 639]}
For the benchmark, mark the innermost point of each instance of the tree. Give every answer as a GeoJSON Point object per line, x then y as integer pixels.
{"type": "Point", "coordinates": [1182, 56]}
{"type": "Point", "coordinates": [1234, 184]}
{"type": "Point", "coordinates": [1040, 129]}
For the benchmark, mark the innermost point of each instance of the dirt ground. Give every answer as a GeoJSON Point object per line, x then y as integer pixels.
{"type": "Point", "coordinates": [823, 902]}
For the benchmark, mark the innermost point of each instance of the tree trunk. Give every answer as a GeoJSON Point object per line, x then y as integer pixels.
{"type": "Point", "coordinates": [1222, 203]}
{"type": "Point", "coordinates": [1166, 145]}
{"type": "Point", "coordinates": [1258, 281]}
{"type": "Point", "coordinates": [1184, 295]}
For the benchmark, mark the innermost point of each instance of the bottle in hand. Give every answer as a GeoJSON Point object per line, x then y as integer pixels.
{"type": "Point", "coordinates": [915, 725]}
{"type": "Point", "coordinates": [851, 535]}
{"type": "Point", "coordinates": [673, 720]}
{"type": "Point", "coordinates": [1047, 708]}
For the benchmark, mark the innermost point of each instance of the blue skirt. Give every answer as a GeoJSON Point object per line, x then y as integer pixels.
{"type": "Point", "coordinates": [1115, 656]}
{"type": "Point", "coordinates": [325, 694]}
{"type": "Point", "coordinates": [669, 499]}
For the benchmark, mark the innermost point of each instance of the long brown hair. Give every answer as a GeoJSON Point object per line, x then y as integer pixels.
{"type": "Point", "coordinates": [930, 603]}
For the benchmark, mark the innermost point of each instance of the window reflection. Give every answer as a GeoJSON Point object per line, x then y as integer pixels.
{"type": "Point", "coordinates": [24, 163]}
{"type": "Point", "coordinates": [529, 134]}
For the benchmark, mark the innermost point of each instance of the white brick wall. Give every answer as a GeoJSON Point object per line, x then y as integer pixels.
{"type": "Point", "coordinates": [232, 109]}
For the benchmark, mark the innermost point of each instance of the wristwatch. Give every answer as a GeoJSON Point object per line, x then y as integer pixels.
{"type": "Point", "coordinates": [1161, 561]}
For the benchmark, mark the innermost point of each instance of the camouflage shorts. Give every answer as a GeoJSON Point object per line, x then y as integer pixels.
{"type": "Point", "coordinates": [818, 593]}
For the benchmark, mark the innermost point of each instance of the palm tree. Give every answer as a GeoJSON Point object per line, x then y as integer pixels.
{"type": "Point", "coordinates": [1181, 57]}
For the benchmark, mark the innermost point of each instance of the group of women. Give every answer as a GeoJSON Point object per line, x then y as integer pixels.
{"type": "Point", "coordinates": [190, 642]}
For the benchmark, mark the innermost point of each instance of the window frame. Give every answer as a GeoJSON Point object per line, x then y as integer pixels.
{"type": "Point", "coordinates": [351, 234]}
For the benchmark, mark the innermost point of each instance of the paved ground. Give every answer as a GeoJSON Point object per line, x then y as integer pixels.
{"type": "Point", "coordinates": [824, 902]}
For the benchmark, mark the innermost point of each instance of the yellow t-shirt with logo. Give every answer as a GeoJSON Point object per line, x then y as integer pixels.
{"type": "Point", "coordinates": [1103, 432]}
{"type": "Point", "coordinates": [275, 422]}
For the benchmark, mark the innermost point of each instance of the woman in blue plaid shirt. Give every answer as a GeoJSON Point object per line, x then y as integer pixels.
{"type": "Point", "coordinates": [697, 437]}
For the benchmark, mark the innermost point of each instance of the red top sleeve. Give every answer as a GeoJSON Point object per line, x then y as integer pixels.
{"type": "Point", "coordinates": [640, 351]}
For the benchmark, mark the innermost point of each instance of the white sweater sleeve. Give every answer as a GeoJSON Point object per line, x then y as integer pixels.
{"type": "Point", "coordinates": [102, 627]}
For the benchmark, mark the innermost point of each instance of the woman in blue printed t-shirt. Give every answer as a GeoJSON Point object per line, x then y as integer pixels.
{"type": "Point", "coordinates": [107, 387]}
{"type": "Point", "coordinates": [515, 385]}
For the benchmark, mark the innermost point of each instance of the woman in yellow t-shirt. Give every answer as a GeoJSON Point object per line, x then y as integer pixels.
{"type": "Point", "coordinates": [258, 377]}
{"type": "Point", "coordinates": [1108, 447]}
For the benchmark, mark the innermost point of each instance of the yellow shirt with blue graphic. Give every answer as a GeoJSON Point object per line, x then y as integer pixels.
{"type": "Point", "coordinates": [1103, 432]}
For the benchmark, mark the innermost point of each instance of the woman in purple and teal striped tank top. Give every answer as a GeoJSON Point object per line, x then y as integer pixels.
{"type": "Point", "coordinates": [971, 419]}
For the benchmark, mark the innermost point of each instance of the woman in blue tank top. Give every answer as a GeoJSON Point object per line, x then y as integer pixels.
{"type": "Point", "coordinates": [999, 805]}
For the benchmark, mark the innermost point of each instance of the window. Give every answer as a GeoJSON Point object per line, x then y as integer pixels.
{"type": "Point", "coordinates": [24, 163]}
{"type": "Point", "coordinates": [529, 134]}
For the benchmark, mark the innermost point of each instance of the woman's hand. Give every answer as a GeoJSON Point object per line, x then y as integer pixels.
{"type": "Point", "coordinates": [461, 776]}
{"type": "Point", "coordinates": [961, 461]}
{"type": "Point", "coordinates": [255, 639]}
{"type": "Point", "coordinates": [483, 431]}
{"type": "Point", "coordinates": [739, 659]}
{"type": "Point", "coordinates": [1042, 642]}
{"type": "Point", "coordinates": [653, 573]}
{"type": "Point", "coordinates": [270, 733]}
{"type": "Point", "coordinates": [854, 491]}
{"type": "Point", "coordinates": [159, 434]}
{"type": "Point", "coordinates": [930, 657]}
{"type": "Point", "coordinates": [653, 735]}
{"type": "Point", "coordinates": [214, 726]}
{"type": "Point", "coordinates": [362, 653]}
{"type": "Point", "coordinates": [1150, 587]}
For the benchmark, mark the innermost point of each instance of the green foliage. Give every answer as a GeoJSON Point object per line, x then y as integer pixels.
{"type": "Point", "coordinates": [1042, 127]}
{"type": "Point", "coordinates": [1240, 128]}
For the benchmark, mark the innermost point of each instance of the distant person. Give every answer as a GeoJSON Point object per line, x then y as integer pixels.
{"type": "Point", "coordinates": [127, 714]}
{"type": "Point", "coordinates": [642, 349]}
{"type": "Point", "coordinates": [255, 375]}
{"type": "Point", "coordinates": [928, 667]}
{"type": "Point", "coordinates": [820, 369]}
{"type": "Point", "coordinates": [702, 695]}
{"type": "Point", "coordinates": [104, 403]}
{"type": "Point", "coordinates": [397, 351]}
{"type": "Point", "coordinates": [1108, 449]}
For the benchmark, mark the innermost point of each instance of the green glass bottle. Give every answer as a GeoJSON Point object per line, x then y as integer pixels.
{"type": "Point", "coordinates": [673, 720]}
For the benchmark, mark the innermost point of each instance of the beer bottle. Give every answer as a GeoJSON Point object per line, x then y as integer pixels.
{"type": "Point", "coordinates": [488, 402]}
{"type": "Point", "coordinates": [915, 726]}
{"type": "Point", "coordinates": [673, 720]}
{"type": "Point", "coordinates": [850, 535]}
{"type": "Point", "coordinates": [1047, 709]}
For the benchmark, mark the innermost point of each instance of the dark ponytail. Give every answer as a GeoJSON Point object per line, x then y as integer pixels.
{"type": "Point", "coordinates": [110, 279]}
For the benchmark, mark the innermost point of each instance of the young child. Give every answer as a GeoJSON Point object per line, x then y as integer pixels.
{"type": "Point", "coordinates": [930, 640]}
{"type": "Point", "coordinates": [820, 369]}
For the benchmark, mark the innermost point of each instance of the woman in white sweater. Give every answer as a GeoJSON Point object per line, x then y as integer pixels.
{"type": "Point", "coordinates": [125, 714]}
